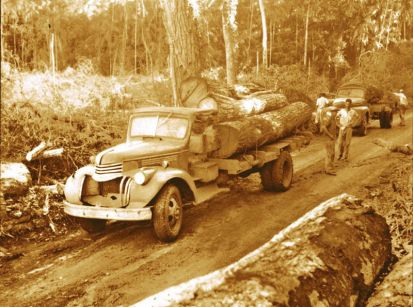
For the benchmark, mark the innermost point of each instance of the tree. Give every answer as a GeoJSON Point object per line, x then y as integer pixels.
{"type": "Point", "coordinates": [183, 48]}
{"type": "Point", "coordinates": [264, 35]}
{"type": "Point", "coordinates": [229, 26]}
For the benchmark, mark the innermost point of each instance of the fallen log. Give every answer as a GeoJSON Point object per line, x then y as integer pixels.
{"type": "Point", "coordinates": [37, 151]}
{"type": "Point", "coordinates": [52, 153]}
{"type": "Point", "coordinates": [329, 257]}
{"type": "Point", "coordinates": [251, 132]}
{"type": "Point", "coordinates": [406, 149]}
{"type": "Point", "coordinates": [15, 178]}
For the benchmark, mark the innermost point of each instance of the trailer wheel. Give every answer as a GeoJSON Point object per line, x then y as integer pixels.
{"type": "Point", "coordinates": [91, 225]}
{"type": "Point", "coordinates": [382, 120]}
{"type": "Point", "coordinates": [167, 213]}
{"type": "Point", "coordinates": [277, 175]}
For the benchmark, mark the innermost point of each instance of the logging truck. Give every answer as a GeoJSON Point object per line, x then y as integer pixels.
{"type": "Point", "coordinates": [369, 104]}
{"type": "Point", "coordinates": [165, 164]}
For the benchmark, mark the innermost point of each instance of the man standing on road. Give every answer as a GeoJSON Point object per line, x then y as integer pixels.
{"type": "Point", "coordinates": [402, 106]}
{"type": "Point", "coordinates": [345, 118]}
{"type": "Point", "coordinates": [321, 103]}
{"type": "Point", "coordinates": [328, 132]}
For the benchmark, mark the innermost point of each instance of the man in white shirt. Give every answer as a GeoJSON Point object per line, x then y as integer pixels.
{"type": "Point", "coordinates": [402, 106]}
{"type": "Point", "coordinates": [321, 103]}
{"type": "Point", "coordinates": [345, 118]}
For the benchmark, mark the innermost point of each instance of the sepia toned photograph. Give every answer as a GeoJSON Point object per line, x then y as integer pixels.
{"type": "Point", "coordinates": [206, 153]}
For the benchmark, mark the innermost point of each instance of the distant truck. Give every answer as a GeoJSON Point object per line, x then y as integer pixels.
{"type": "Point", "coordinates": [368, 102]}
{"type": "Point", "coordinates": [163, 166]}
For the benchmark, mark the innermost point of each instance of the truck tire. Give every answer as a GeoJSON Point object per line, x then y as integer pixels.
{"type": "Point", "coordinates": [167, 213]}
{"type": "Point", "coordinates": [362, 130]}
{"type": "Point", "coordinates": [277, 175]}
{"type": "Point", "coordinates": [386, 120]}
{"type": "Point", "coordinates": [92, 225]}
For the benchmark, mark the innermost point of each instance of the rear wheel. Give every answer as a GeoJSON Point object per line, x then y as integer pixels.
{"type": "Point", "coordinates": [167, 213]}
{"type": "Point", "coordinates": [91, 225]}
{"type": "Point", "coordinates": [277, 175]}
{"type": "Point", "coordinates": [363, 128]}
{"type": "Point", "coordinates": [386, 119]}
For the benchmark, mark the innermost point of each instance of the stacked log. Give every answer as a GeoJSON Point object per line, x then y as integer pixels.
{"type": "Point", "coordinates": [260, 102]}
{"type": "Point", "coordinates": [329, 257]}
{"type": "Point", "coordinates": [250, 132]}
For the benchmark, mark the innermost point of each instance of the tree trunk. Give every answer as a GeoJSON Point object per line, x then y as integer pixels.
{"type": "Point", "coordinates": [329, 257]}
{"type": "Point", "coordinates": [250, 132]}
{"type": "Point", "coordinates": [250, 30]}
{"type": "Point", "coordinates": [15, 178]}
{"type": "Point", "coordinates": [229, 44]}
{"type": "Point", "coordinates": [124, 40]}
{"type": "Point", "coordinates": [306, 34]}
{"type": "Point", "coordinates": [180, 29]}
{"type": "Point", "coordinates": [264, 35]}
{"type": "Point", "coordinates": [135, 39]}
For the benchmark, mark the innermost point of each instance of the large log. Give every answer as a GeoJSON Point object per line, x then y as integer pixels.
{"type": "Point", "coordinates": [329, 257]}
{"type": "Point", "coordinates": [257, 103]}
{"type": "Point", "coordinates": [15, 178]}
{"type": "Point", "coordinates": [251, 132]}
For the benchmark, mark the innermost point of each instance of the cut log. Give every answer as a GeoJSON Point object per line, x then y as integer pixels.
{"type": "Point", "coordinates": [15, 178]}
{"type": "Point", "coordinates": [406, 149]}
{"type": "Point", "coordinates": [329, 257]}
{"type": "Point", "coordinates": [35, 152]}
{"type": "Point", "coordinates": [232, 109]}
{"type": "Point", "coordinates": [52, 153]}
{"type": "Point", "coordinates": [251, 132]}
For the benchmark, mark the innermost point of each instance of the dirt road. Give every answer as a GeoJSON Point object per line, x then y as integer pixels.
{"type": "Point", "coordinates": [127, 263]}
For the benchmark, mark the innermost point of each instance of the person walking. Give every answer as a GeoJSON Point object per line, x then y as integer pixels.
{"type": "Point", "coordinates": [321, 103]}
{"type": "Point", "coordinates": [402, 106]}
{"type": "Point", "coordinates": [345, 119]}
{"type": "Point", "coordinates": [329, 132]}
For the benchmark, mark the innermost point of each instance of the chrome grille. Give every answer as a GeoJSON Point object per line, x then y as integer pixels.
{"type": "Point", "coordinates": [115, 168]}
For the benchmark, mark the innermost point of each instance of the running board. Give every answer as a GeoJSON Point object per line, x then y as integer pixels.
{"type": "Point", "coordinates": [206, 192]}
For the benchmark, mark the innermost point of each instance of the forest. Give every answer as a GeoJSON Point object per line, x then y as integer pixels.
{"type": "Point", "coordinates": [61, 54]}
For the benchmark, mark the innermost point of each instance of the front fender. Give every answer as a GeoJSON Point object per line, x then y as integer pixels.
{"type": "Point", "coordinates": [141, 195]}
{"type": "Point", "coordinates": [74, 184]}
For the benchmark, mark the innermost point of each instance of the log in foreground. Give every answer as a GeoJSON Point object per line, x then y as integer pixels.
{"type": "Point", "coordinates": [254, 131]}
{"type": "Point", "coordinates": [329, 257]}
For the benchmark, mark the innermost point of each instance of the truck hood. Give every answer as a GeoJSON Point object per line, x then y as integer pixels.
{"type": "Point", "coordinates": [137, 149]}
{"type": "Point", "coordinates": [356, 101]}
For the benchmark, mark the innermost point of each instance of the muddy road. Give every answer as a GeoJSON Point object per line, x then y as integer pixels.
{"type": "Point", "coordinates": [127, 263]}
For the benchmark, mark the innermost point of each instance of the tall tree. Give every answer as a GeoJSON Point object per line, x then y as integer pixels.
{"type": "Point", "coordinates": [183, 47]}
{"type": "Point", "coordinates": [229, 10]}
{"type": "Point", "coordinates": [264, 35]}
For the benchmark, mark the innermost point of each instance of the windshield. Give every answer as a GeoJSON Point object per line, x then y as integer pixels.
{"type": "Point", "coordinates": [159, 126]}
{"type": "Point", "coordinates": [351, 92]}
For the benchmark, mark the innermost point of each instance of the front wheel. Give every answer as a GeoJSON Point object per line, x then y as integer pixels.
{"type": "Point", "coordinates": [167, 213]}
{"type": "Point", "coordinates": [91, 225]}
{"type": "Point", "coordinates": [277, 175]}
{"type": "Point", "coordinates": [363, 128]}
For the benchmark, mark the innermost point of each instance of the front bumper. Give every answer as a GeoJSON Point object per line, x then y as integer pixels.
{"type": "Point", "coordinates": [104, 213]}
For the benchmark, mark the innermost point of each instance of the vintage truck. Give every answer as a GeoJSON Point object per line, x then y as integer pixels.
{"type": "Point", "coordinates": [368, 103]}
{"type": "Point", "coordinates": [163, 166]}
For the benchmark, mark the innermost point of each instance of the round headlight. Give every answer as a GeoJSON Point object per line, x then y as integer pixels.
{"type": "Point", "coordinates": [139, 177]}
{"type": "Point", "coordinates": [165, 163]}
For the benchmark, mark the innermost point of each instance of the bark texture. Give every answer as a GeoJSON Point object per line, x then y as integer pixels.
{"type": "Point", "coordinates": [15, 178]}
{"type": "Point", "coordinates": [233, 109]}
{"type": "Point", "coordinates": [184, 51]}
{"type": "Point", "coordinates": [396, 288]}
{"type": "Point", "coordinates": [251, 132]}
{"type": "Point", "coordinates": [329, 257]}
